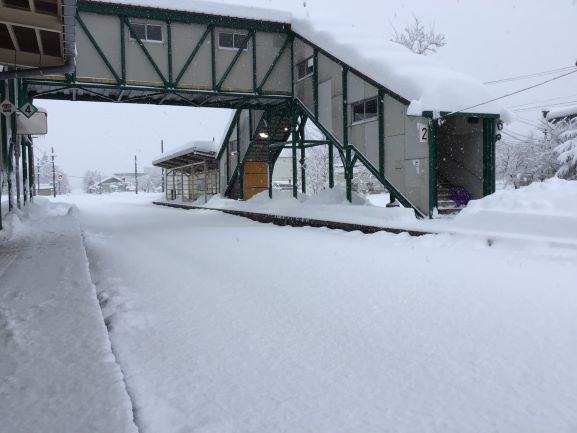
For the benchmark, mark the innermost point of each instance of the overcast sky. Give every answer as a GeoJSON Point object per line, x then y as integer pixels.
{"type": "Point", "coordinates": [490, 40]}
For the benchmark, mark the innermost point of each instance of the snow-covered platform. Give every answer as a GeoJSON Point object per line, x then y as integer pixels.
{"type": "Point", "coordinates": [57, 371]}
{"type": "Point", "coordinates": [543, 213]}
{"type": "Point", "coordinates": [296, 221]}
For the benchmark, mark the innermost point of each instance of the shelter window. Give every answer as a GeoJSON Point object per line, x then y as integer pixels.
{"type": "Point", "coordinates": [306, 68]}
{"type": "Point", "coordinates": [146, 32]}
{"type": "Point", "coordinates": [231, 41]}
{"type": "Point", "coordinates": [365, 110]}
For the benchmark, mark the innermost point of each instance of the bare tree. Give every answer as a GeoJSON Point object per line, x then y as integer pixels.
{"type": "Point", "coordinates": [418, 39]}
{"type": "Point", "coordinates": [528, 159]}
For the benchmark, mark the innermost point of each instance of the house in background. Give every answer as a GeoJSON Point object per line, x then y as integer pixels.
{"type": "Point", "coordinates": [44, 189]}
{"type": "Point", "coordinates": [108, 185]}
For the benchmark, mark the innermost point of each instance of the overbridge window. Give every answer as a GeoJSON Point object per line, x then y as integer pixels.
{"type": "Point", "coordinates": [365, 110]}
{"type": "Point", "coordinates": [147, 32]}
{"type": "Point", "coordinates": [231, 41]}
{"type": "Point", "coordinates": [305, 68]}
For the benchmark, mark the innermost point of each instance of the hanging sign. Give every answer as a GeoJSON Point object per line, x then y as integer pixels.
{"type": "Point", "coordinates": [7, 108]}
{"type": "Point", "coordinates": [28, 110]}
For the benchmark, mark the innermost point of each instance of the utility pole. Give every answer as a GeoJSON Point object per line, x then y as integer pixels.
{"type": "Point", "coordinates": [53, 175]}
{"type": "Point", "coordinates": [136, 174]}
{"type": "Point", "coordinates": [162, 151]}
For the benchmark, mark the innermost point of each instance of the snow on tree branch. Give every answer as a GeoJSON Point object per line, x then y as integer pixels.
{"type": "Point", "coordinates": [418, 39]}
{"type": "Point", "coordinates": [566, 149]}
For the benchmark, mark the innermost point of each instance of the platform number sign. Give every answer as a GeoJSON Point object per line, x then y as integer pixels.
{"type": "Point", "coordinates": [28, 110]}
{"type": "Point", "coordinates": [423, 132]}
{"type": "Point", "coordinates": [7, 108]}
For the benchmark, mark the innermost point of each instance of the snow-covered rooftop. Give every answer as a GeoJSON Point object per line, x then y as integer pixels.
{"type": "Point", "coordinates": [424, 82]}
{"type": "Point", "coordinates": [427, 84]}
{"type": "Point", "coordinates": [210, 8]}
{"type": "Point", "coordinates": [205, 148]}
{"type": "Point", "coordinates": [562, 112]}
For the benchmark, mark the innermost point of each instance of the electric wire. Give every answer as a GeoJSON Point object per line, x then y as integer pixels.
{"type": "Point", "coordinates": [544, 101]}
{"type": "Point", "coordinates": [527, 76]}
{"type": "Point", "coordinates": [512, 93]}
{"type": "Point", "coordinates": [540, 107]}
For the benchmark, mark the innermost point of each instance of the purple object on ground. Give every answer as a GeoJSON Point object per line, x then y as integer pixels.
{"type": "Point", "coordinates": [460, 195]}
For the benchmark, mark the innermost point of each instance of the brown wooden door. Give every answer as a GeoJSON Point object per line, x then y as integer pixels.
{"type": "Point", "coordinates": [255, 178]}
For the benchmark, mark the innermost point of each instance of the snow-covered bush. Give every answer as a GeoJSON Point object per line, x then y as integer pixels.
{"type": "Point", "coordinates": [565, 136]}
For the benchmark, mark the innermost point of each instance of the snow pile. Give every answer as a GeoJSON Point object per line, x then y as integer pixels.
{"type": "Point", "coordinates": [544, 212]}
{"type": "Point", "coordinates": [552, 197]}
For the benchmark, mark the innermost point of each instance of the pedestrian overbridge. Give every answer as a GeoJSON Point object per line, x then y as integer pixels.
{"type": "Point", "coordinates": [402, 117]}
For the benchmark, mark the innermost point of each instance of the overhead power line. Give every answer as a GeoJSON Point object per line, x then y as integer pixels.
{"type": "Point", "coordinates": [534, 75]}
{"type": "Point", "coordinates": [543, 106]}
{"type": "Point", "coordinates": [545, 101]}
{"type": "Point", "coordinates": [513, 93]}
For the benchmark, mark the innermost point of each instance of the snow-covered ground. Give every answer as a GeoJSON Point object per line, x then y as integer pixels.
{"type": "Point", "coordinates": [221, 324]}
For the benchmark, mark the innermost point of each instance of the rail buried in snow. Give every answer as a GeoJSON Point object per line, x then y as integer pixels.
{"type": "Point", "coordinates": [281, 220]}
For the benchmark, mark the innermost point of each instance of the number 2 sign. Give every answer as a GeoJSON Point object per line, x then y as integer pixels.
{"type": "Point", "coordinates": [423, 132]}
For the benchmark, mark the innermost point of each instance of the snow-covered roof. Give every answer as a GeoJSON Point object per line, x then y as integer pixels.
{"type": "Point", "coordinates": [562, 112]}
{"type": "Point", "coordinates": [204, 148]}
{"type": "Point", "coordinates": [421, 80]}
{"type": "Point", "coordinates": [110, 179]}
{"type": "Point", "coordinates": [424, 82]}
{"type": "Point", "coordinates": [210, 8]}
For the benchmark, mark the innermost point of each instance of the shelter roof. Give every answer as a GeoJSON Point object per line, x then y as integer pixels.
{"type": "Point", "coordinates": [190, 153]}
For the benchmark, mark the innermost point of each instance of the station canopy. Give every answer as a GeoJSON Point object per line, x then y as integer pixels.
{"type": "Point", "coordinates": [191, 153]}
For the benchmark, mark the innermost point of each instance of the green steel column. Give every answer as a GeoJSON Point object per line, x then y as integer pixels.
{"type": "Point", "coordinates": [303, 169]}
{"type": "Point", "coordinates": [493, 157]}
{"type": "Point", "coordinates": [331, 165]}
{"type": "Point", "coordinates": [294, 148]}
{"type": "Point", "coordinates": [122, 51]}
{"type": "Point", "coordinates": [381, 114]}
{"type": "Point", "coordinates": [24, 172]}
{"type": "Point", "coordinates": [12, 98]}
{"type": "Point", "coordinates": [31, 170]}
{"type": "Point", "coordinates": [270, 159]}
{"type": "Point", "coordinates": [213, 57]}
{"type": "Point", "coordinates": [3, 148]}
{"type": "Point", "coordinates": [433, 169]}
{"type": "Point", "coordinates": [316, 83]}
{"type": "Point", "coordinates": [169, 42]}
{"type": "Point", "coordinates": [488, 138]}
{"type": "Point", "coordinates": [348, 165]}
{"type": "Point", "coordinates": [239, 166]}
{"type": "Point", "coordinates": [254, 66]}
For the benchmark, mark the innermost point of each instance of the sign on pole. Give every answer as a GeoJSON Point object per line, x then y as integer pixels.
{"type": "Point", "coordinates": [7, 108]}
{"type": "Point", "coordinates": [60, 178]}
{"type": "Point", "coordinates": [28, 110]}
